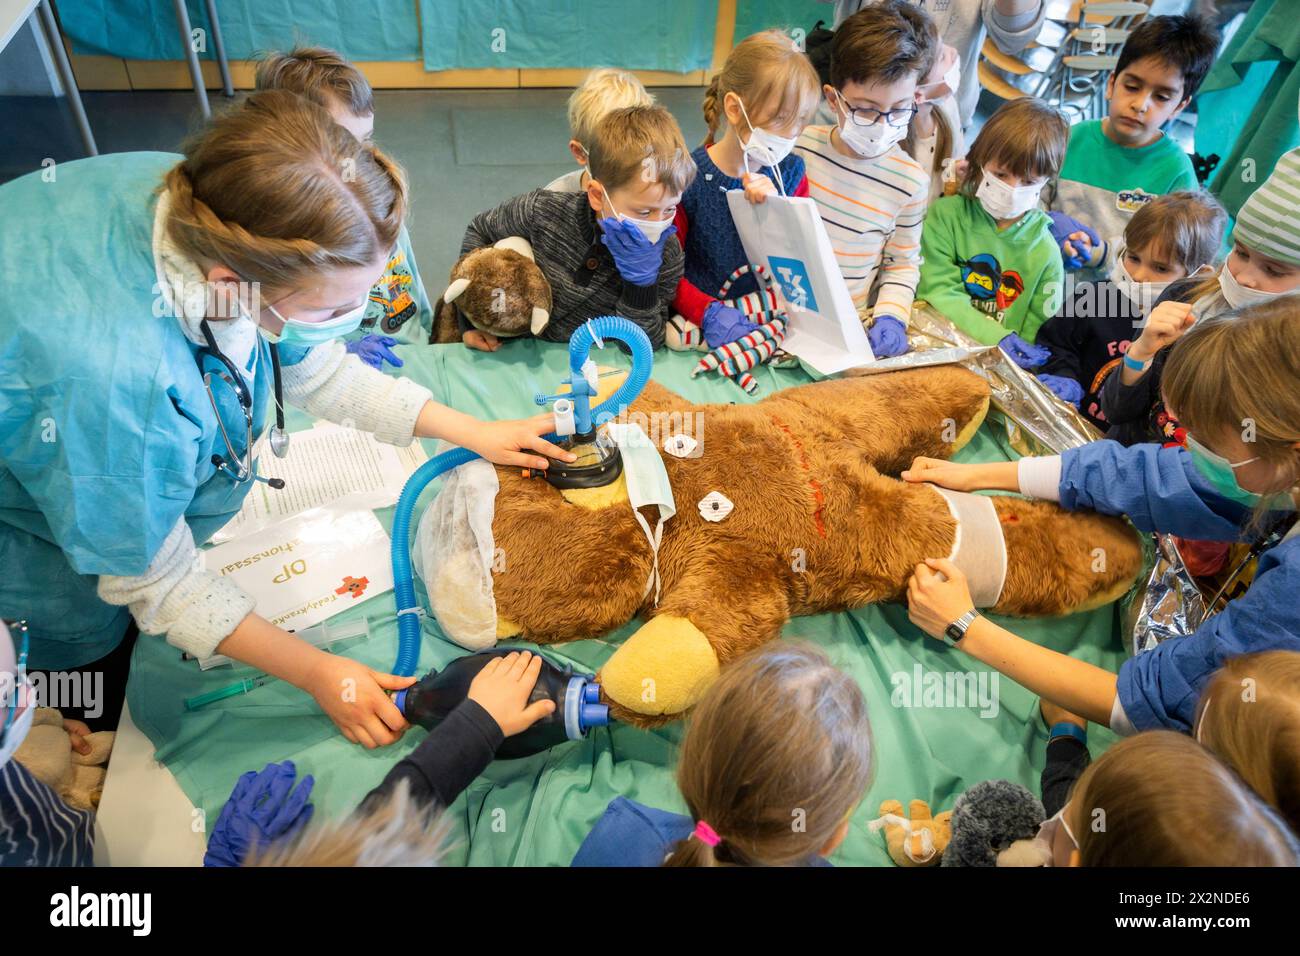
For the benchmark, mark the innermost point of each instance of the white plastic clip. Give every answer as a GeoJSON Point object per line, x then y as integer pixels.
{"type": "Point", "coordinates": [417, 611]}
{"type": "Point", "coordinates": [600, 343]}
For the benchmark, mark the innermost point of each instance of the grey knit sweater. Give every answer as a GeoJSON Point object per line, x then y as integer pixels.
{"type": "Point", "coordinates": [585, 283]}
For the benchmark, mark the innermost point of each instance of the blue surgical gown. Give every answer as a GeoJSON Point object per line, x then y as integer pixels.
{"type": "Point", "coordinates": [1161, 490]}
{"type": "Point", "coordinates": [106, 431]}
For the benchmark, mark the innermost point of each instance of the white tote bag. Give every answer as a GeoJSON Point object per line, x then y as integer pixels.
{"type": "Point", "coordinates": [786, 234]}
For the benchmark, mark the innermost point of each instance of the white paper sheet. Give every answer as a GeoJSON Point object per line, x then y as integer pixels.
{"type": "Point", "coordinates": [325, 464]}
{"type": "Point", "coordinates": [786, 234]}
{"type": "Point", "coordinates": [311, 566]}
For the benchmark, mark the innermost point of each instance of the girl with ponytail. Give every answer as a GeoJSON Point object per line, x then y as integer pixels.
{"type": "Point", "coordinates": [755, 108]}
{"type": "Point", "coordinates": [196, 294]}
{"type": "Point", "coordinates": [776, 757]}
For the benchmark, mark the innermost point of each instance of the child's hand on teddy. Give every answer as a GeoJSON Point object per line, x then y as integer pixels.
{"type": "Point", "coordinates": [502, 688]}
{"type": "Point", "coordinates": [757, 187]}
{"type": "Point", "coordinates": [946, 474]}
{"type": "Point", "coordinates": [482, 341]}
{"type": "Point", "coordinates": [77, 732]}
{"type": "Point", "coordinates": [503, 443]}
{"type": "Point", "coordinates": [937, 595]}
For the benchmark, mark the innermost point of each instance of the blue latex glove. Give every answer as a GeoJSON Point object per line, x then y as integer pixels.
{"type": "Point", "coordinates": [375, 350]}
{"type": "Point", "coordinates": [1062, 228]}
{"type": "Point", "coordinates": [1066, 389]}
{"type": "Point", "coordinates": [1022, 353]}
{"type": "Point", "coordinates": [888, 336]}
{"type": "Point", "coordinates": [261, 810]}
{"type": "Point", "coordinates": [722, 324]}
{"type": "Point", "coordinates": [637, 258]}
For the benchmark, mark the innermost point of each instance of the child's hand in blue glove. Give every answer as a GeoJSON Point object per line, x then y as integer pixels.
{"type": "Point", "coordinates": [1022, 353]}
{"type": "Point", "coordinates": [375, 350]}
{"type": "Point", "coordinates": [260, 811]}
{"type": "Point", "coordinates": [637, 258]}
{"type": "Point", "coordinates": [1078, 241]}
{"type": "Point", "coordinates": [888, 336]}
{"type": "Point", "coordinates": [723, 324]}
{"type": "Point", "coordinates": [1066, 389]}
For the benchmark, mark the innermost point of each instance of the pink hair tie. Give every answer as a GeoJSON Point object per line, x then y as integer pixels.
{"type": "Point", "coordinates": [706, 834]}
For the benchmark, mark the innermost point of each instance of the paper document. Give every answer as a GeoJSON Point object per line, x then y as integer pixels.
{"type": "Point", "coordinates": [324, 464]}
{"type": "Point", "coordinates": [311, 566]}
{"type": "Point", "coordinates": [786, 234]}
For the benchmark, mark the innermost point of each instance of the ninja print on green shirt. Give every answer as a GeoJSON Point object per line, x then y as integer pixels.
{"type": "Point", "coordinates": [991, 289]}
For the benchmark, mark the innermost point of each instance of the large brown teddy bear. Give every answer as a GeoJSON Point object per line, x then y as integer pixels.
{"type": "Point", "coordinates": [816, 526]}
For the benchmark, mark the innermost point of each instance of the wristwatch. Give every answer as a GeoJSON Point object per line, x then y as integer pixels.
{"type": "Point", "coordinates": [955, 631]}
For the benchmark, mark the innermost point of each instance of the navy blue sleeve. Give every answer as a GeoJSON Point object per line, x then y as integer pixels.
{"type": "Point", "coordinates": [629, 834]}
{"type": "Point", "coordinates": [447, 761]}
{"type": "Point", "coordinates": [1160, 687]}
{"type": "Point", "coordinates": [1159, 489]}
{"type": "Point", "coordinates": [36, 827]}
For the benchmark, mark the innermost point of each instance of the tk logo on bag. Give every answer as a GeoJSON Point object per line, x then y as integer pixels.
{"type": "Point", "coordinates": [795, 284]}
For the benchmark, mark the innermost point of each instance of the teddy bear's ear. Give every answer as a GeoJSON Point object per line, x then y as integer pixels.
{"type": "Point", "coordinates": [540, 319]}
{"type": "Point", "coordinates": [516, 244]}
{"type": "Point", "coordinates": [454, 290]}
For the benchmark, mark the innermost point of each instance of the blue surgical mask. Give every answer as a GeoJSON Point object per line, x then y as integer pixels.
{"type": "Point", "coordinates": [308, 334]}
{"type": "Point", "coordinates": [1222, 474]}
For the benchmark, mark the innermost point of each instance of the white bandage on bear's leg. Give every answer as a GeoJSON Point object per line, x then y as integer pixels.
{"type": "Point", "coordinates": [979, 550]}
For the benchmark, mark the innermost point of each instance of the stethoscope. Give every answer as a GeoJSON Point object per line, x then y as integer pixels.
{"type": "Point", "coordinates": [230, 465]}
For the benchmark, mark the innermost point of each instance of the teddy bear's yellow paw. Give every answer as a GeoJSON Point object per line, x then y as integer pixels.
{"type": "Point", "coordinates": [664, 668]}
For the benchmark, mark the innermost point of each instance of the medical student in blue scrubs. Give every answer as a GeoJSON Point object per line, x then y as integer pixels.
{"type": "Point", "coordinates": [156, 311]}
{"type": "Point", "coordinates": [1232, 383]}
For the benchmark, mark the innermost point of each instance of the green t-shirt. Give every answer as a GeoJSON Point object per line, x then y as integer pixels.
{"type": "Point", "coordinates": [987, 281]}
{"type": "Point", "coordinates": [1102, 183]}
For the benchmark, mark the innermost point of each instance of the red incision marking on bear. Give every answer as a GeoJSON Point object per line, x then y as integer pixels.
{"type": "Point", "coordinates": [819, 500]}
{"type": "Point", "coordinates": [1010, 519]}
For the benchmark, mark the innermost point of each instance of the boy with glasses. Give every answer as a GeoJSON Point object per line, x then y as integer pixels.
{"type": "Point", "coordinates": [871, 194]}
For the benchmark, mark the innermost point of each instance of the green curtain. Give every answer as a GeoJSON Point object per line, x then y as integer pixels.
{"type": "Point", "coordinates": [1248, 110]}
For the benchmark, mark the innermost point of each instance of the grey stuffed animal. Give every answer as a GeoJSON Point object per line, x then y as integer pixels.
{"type": "Point", "coordinates": [994, 824]}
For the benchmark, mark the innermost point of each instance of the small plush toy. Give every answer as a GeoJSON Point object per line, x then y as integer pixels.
{"type": "Point", "coordinates": [917, 839]}
{"type": "Point", "coordinates": [994, 824]}
{"type": "Point", "coordinates": [47, 753]}
{"type": "Point", "coordinates": [782, 507]}
{"type": "Point", "coordinates": [498, 289]}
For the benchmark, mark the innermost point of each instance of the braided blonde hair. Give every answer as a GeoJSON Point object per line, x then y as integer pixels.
{"type": "Point", "coordinates": [274, 190]}
{"type": "Point", "coordinates": [773, 78]}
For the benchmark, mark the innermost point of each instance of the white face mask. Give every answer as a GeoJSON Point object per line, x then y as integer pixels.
{"type": "Point", "coordinates": [767, 148]}
{"type": "Point", "coordinates": [652, 229]}
{"type": "Point", "coordinates": [18, 730]}
{"type": "Point", "coordinates": [1141, 294]}
{"type": "Point", "coordinates": [1239, 297]}
{"type": "Point", "coordinates": [647, 485]}
{"type": "Point", "coordinates": [871, 141]}
{"type": "Point", "coordinates": [1048, 829]}
{"type": "Point", "coordinates": [1006, 202]}
{"type": "Point", "coordinates": [952, 79]}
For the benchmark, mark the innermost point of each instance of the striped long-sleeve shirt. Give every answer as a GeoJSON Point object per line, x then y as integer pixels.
{"type": "Point", "coordinates": [36, 827]}
{"type": "Point", "coordinates": [873, 210]}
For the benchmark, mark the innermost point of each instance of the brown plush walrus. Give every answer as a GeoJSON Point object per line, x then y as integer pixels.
{"type": "Point", "coordinates": [815, 526]}
{"type": "Point", "coordinates": [497, 289]}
